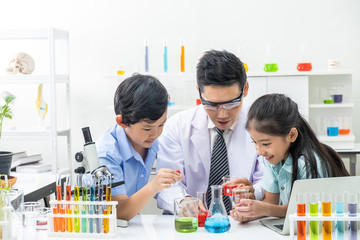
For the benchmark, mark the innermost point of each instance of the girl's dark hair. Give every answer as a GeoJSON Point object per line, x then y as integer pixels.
{"type": "Point", "coordinates": [140, 97]}
{"type": "Point", "coordinates": [276, 114]}
{"type": "Point", "coordinates": [220, 68]}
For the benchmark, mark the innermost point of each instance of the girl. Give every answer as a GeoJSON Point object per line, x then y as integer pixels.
{"type": "Point", "coordinates": [291, 150]}
{"type": "Point", "coordinates": [128, 149]}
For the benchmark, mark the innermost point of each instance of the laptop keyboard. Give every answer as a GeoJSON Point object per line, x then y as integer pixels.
{"type": "Point", "coordinates": [279, 226]}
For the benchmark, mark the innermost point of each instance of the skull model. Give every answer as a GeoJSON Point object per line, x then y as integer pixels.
{"type": "Point", "coordinates": [22, 62]}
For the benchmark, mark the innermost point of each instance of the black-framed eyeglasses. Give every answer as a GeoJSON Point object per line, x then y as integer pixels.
{"type": "Point", "coordinates": [216, 106]}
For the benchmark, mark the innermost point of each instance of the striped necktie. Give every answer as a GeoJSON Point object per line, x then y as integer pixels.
{"type": "Point", "coordinates": [219, 167]}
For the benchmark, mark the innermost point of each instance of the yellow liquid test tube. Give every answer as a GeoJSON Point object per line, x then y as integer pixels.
{"type": "Point", "coordinates": [69, 221]}
{"type": "Point", "coordinates": [106, 222]}
{"type": "Point", "coordinates": [326, 225]}
{"type": "Point", "coordinates": [76, 210]}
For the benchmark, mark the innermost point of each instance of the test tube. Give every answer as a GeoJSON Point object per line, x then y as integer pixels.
{"type": "Point", "coordinates": [182, 57]}
{"type": "Point", "coordinates": [301, 211]}
{"type": "Point", "coordinates": [85, 183]}
{"type": "Point", "coordinates": [108, 199]}
{"type": "Point", "coordinates": [56, 220]}
{"type": "Point", "coordinates": [326, 212]}
{"type": "Point", "coordinates": [69, 221]}
{"type": "Point", "coordinates": [314, 212]}
{"type": "Point", "coordinates": [352, 207]}
{"type": "Point", "coordinates": [339, 212]}
{"type": "Point", "coordinates": [78, 181]}
{"type": "Point", "coordinates": [61, 221]}
{"type": "Point", "coordinates": [92, 199]}
{"type": "Point", "coordinates": [98, 209]}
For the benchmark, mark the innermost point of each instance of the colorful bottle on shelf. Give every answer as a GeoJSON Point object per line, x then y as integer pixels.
{"type": "Point", "coordinates": [182, 57]}
{"type": "Point", "coordinates": [304, 63]}
{"type": "Point", "coordinates": [165, 57]}
{"type": "Point", "coordinates": [146, 55]}
{"type": "Point", "coordinates": [270, 62]}
{"type": "Point", "coordinates": [242, 55]}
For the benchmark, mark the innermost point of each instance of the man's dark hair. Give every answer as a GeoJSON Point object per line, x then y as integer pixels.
{"type": "Point", "coordinates": [140, 97]}
{"type": "Point", "coordinates": [220, 68]}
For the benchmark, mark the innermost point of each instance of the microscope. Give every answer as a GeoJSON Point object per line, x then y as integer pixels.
{"type": "Point", "coordinates": [88, 159]}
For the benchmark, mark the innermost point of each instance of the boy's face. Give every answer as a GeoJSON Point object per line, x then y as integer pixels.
{"type": "Point", "coordinates": [223, 118]}
{"type": "Point", "coordinates": [273, 148]}
{"type": "Point", "coordinates": [142, 134]}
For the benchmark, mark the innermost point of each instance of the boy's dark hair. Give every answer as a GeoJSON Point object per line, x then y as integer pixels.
{"type": "Point", "coordinates": [140, 97]}
{"type": "Point", "coordinates": [276, 114]}
{"type": "Point", "coordinates": [220, 68]}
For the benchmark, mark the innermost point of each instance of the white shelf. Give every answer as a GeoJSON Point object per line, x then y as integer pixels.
{"type": "Point", "coordinates": [31, 79]}
{"type": "Point", "coordinates": [26, 34]}
{"type": "Point", "coordinates": [296, 73]}
{"type": "Point", "coordinates": [34, 134]}
{"type": "Point", "coordinates": [334, 105]}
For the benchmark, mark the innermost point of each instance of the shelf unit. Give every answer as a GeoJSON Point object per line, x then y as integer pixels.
{"type": "Point", "coordinates": [305, 89]}
{"type": "Point", "coordinates": [51, 132]}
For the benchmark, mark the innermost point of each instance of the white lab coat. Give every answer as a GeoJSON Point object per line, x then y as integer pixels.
{"type": "Point", "coordinates": [185, 145]}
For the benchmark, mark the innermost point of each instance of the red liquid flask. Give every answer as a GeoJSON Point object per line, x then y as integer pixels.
{"type": "Point", "coordinates": [201, 219]}
{"type": "Point", "coordinates": [302, 67]}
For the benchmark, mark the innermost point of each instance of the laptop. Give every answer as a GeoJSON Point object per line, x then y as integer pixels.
{"type": "Point", "coordinates": [307, 186]}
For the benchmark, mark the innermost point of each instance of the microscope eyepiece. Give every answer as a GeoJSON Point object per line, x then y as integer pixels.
{"type": "Point", "coordinates": [87, 135]}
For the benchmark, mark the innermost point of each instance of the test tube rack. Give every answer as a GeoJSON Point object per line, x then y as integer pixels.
{"type": "Point", "coordinates": [294, 218]}
{"type": "Point", "coordinates": [79, 204]}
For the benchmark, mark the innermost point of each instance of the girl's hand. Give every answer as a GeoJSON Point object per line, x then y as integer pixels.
{"type": "Point", "coordinates": [248, 210]}
{"type": "Point", "coordinates": [245, 183]}
{"type": "Point", "coordinates": [164, 178]}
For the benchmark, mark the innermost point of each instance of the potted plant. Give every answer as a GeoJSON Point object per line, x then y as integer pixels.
{"type": "Point", "coordinates": [5, 112]}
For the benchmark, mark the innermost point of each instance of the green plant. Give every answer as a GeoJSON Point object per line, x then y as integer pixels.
{"type": "Point", "coordinates": [5, 110]}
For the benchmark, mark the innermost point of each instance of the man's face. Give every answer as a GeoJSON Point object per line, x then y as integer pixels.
{"type": "Point", "coordinates": [223, 118]}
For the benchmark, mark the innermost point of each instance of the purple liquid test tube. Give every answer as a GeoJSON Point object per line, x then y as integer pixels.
{"type": "Point", "coordinates": [352, 208]}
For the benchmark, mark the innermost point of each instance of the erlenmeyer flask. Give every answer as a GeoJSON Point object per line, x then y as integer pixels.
{"type": "Point", "coordinates": [304, 63]}
{"type": "Point", "coordinates": [270, 62]}
{"type": "Point", "coordinates": [217, 220]}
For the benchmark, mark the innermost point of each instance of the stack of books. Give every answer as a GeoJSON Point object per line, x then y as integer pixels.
{"type": "Point", "coordinates": [23, 163]}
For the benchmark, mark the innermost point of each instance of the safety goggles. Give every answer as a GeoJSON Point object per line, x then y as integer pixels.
{"type": "Point", "coordinates": [216, 106]}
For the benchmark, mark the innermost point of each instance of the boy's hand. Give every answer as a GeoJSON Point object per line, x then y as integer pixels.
{"type": "Point", "coordinates": [164, 178]}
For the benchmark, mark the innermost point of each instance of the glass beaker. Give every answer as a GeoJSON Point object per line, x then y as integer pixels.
{"type": "Point", "coordinates": [344, 127]}
{"type": "Point", "coordinates": [238, 194]}
{"type": "Point", "coordinates": [242, 56]}
{"type": "Point", "coordinates": [228, 183]}
{"type": "Point", "coordinates": [202, 214]}
{"type": "Point", "coordinates": [217, 220]}
{"type": "Point", "coordinates": [42, 219]}
{"type": "Point", "coordinates": [186, 214]}
{"type": "Point", "coordinates": [28, 213]}
{"type": "Point", "coordinates": [337, 93]}
{"type": "Point", "coordinates": [332, 126]}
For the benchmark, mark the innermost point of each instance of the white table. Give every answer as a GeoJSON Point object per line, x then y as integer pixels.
{"type": "Point", "coordinates": [158, 227]}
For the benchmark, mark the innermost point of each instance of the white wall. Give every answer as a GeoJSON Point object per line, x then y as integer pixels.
{"type": "Point", "coordinates": [105, 35]}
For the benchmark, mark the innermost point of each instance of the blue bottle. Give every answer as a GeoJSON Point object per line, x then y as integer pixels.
{"type": "Point", "coordinates": [217, 220]}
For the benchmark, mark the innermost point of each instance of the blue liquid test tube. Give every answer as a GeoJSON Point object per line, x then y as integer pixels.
{"type": "Point", "coordinates": [339, 212]}
{"type": "Point", "coordinates": [165, 57]}
{"type": "Point", "coordinates": [352, 208]}
{"type": "Point", "coordinates": [146, 56]}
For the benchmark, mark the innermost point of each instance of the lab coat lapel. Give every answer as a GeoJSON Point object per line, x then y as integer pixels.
{"type": "Point", "coordinates": [201, 138]}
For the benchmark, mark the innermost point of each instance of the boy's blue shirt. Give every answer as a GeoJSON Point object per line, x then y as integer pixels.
{"type": "Point", "coordinates": [118, 155]}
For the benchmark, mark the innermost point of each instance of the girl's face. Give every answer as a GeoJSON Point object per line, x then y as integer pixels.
{"type": "Point", "coordinates": [143, 134]}
{"type": "Point", "coordinates": [273, 148]}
